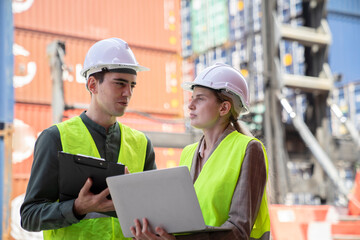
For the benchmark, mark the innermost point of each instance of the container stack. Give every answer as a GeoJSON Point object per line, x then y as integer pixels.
{"type": "Point", "coordinates": [344, 21]}
{"type": "Point", "coordinates": [152, 30]}
{"type": "Point", "coordinates": [292, 60]}
{"type": "Point", "coordinates": [224, 31]}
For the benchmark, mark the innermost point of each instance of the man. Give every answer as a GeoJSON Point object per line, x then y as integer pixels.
{"type": "Point", "coordinates": [110, 70]}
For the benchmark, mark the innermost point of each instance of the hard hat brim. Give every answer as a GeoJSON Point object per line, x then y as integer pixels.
{"type": "Point", "coordinates": [189, 86]}
{"type": "Point", "coordinates": [98, 68]}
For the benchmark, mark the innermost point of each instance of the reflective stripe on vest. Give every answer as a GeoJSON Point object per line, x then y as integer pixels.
{"type": "Point", "coordinates": [76, 139]}
{"type": "Point", "coordinates": [217, 180]}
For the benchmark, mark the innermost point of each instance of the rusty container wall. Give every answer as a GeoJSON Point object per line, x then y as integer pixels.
{"type": "Point", "coordinates": [151, 24]}
{"type": "Point", "coordinates": [157, 91]}
{"type": "Point", "coordinates": [167, 157]}
{"type": "Point", "coordinates": [30, 121]}
{"type": "Point", "coordinates": [32, 78]}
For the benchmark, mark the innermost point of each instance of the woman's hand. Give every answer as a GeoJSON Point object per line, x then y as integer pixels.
{"type": "Point", "coordinates": [144, 233]}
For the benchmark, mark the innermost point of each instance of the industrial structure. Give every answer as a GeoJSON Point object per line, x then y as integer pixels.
{"type": "Point", "coordinates": [305, 99]}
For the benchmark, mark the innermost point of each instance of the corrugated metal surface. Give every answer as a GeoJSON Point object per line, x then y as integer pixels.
{"type": "Point", "coordinates": [254, 8]}
{"type": "Point", "coordinates": [344, 54]}
{"type": "Point", "coordinates": [289, 9]}
{"type": "Point", "coordinates": [237, 19]}
{"type": "Point", "coordinates": [153, 122]}
{"type": "Point", "coordinates": [150, 24]}
{"type": "Point", "coordinates": [344, 6]}
{"type": "Point", "coordinates": [33, 119]}
{"type": "Point", "coordinates": [209, 24]}
{"type": "Point", "coordinates": [347, 97]}
{"type": "Point", "coordinates": [186, 40]}
{"type": "Point", "coordinates": [167, 157]}
{"type": "Point", "coordinates": [159, 90]}
{"type": "Point", "coordinates": [36, 116]}
{"type": "Point", "coordinates": [33, 81]}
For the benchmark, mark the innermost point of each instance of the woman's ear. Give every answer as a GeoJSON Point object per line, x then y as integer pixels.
{"type": "Point", "coordinates": [225, 108]}
{"type": "Point", "coordinates": [92, 84]}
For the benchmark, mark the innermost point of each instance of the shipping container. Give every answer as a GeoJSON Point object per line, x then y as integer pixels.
{"type": "Point", "coordinates": [209, 24]}
{"type": "Point", "coordinates": [237, 20]}
{"type": "Point", "coordinates": [188, 75]}
{"type": "Point", "coordinates": [149, 24]}
{"type": "Point", "coordinates": [30, 121]}
{"type": "Point", "coordinates": [158, 91]}
{"type": "Point", "coordinates": [298, 103]}
{"type": "Point", "coordinates": [347, 97]}
{"type": "Point", "coordinates": [167, 157]}
{"type": "Point", "coordinates": [344, 52]}
{"type": "Point", "coordinates": [186, 39]}
{"type": "Point", "coordinates": [349, 7]}
{"type": "Point", "coordinates": [254, 8]}
{"type": "Point", "coordinates": [289, 9]}
{"type": "Point", "coordinates": [210, 57]}
{"type": "Point", "coordinates": [153, 122]}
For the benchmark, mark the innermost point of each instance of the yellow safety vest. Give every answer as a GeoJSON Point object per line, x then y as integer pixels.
{"type": "Point", "coordinates": [76, 139]}
{"type": "Point", "coordinates": [217, 180]}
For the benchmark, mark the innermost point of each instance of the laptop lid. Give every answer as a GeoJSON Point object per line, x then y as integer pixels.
{"type": "Point", "coordinates": [165, 197]}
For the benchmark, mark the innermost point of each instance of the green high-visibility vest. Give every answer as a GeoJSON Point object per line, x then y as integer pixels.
{"type": "Point", "coordinates": [76, 139]}
{"type": "Point", "coordinates": [217, 180]}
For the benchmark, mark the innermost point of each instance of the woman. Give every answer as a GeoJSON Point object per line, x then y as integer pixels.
{"type": "Point", "coordinates": [228, 165]}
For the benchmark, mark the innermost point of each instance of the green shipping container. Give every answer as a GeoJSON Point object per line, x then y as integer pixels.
{"type": "Point", "coordinates": [209, 24]}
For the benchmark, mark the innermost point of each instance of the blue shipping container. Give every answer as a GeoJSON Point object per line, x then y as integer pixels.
{"type": "Point", "coordinates": [348, 7]}
{"type": "Point", "coordinates": [344, 54]}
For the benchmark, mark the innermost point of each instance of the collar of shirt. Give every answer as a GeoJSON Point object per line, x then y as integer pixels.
{"type": "Point", "coordinates": [96, 127]}
{"type": "Point", "coordinates": [229, 129]}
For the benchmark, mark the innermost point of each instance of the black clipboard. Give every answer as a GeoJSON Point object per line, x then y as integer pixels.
{"type": "Point", "coordinates": [74, 170]}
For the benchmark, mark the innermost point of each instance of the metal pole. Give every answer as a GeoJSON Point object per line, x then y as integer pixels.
{"type": "Point", "coordinates": [344, 120]}
{"type": "Point", "coordinates": [6, 113]}
{"type": "Point", "coordinates": [314, 146]}
{"type": "Point", "coordinates": [56, 52]}
{"type": "Point", "coordinates": [274, 131]}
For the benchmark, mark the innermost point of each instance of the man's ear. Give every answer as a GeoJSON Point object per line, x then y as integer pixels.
{"type": "Point", "coordinates": [92, 84]}
{"type": "Point", "coordinates": [225, 108]}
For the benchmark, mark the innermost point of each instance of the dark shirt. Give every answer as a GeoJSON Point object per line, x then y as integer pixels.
{"type": "Point", "coordinates": [247, 195]}
{"type": "Point", "coordinates": [40, 210]}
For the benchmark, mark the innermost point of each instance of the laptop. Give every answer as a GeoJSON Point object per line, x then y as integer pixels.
{"type": "Point", "coordinates": [165, 197]}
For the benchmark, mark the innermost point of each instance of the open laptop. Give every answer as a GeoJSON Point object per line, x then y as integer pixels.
{"type": "Point", "coordinates": [165, 197]}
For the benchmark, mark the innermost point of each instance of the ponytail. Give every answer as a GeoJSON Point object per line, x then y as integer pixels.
{"type": "Point", "coordinates": [240, 126]}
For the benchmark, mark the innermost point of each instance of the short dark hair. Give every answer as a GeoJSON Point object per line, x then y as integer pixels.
{"type": "Point", "coordinates": [98, 76]}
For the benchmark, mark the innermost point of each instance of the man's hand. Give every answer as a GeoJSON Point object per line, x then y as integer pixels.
{"type": "Point", "coordinates": [88, 202]}
{"type": "Point", "coordinates": [145, 233]}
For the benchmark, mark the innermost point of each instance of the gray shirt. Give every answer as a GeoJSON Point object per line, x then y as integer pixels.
{"type": "Point", "coordinates": [248, 193]}
{"type": "Point", "coordinates": [40, 211]}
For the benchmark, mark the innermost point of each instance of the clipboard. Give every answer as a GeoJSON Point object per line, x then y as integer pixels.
{"type": "Point", "coordinates": [74, 170]}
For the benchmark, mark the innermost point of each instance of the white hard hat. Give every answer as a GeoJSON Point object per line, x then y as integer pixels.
{"type": "Point", "coordinates": [111, 53]}
{"type": "Point", "coordinates": [224, 77]}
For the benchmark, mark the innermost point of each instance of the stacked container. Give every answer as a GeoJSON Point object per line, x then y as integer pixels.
{"type": "Point", "coordinates": [347, 97]}
{"type": "Point", "coordinates": [227, 31]}
{"type": "Point", "coordinates": [152, 30]}
{"type": "Point", "coordinates": [344, 22]}
{"type": "Point", "coordinates": [292, 54]}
